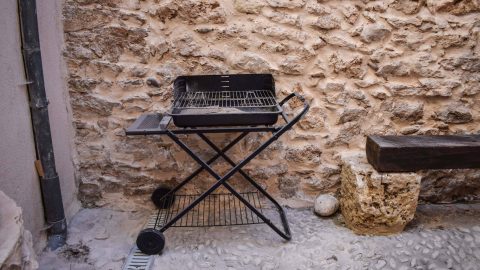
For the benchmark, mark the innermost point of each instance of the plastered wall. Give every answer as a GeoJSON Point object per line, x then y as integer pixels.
{"type": "Point", "coordinates": [18, 177]}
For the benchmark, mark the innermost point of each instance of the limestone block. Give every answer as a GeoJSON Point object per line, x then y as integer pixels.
{"type": "Point", "coordinates": [395, 68]}
{"type": "Point", "coordinates": [324, 180]}
{"type": "Point", "coordinates": [454, 7]}
{"type": "Point", "coordinates": [375, 203]}
{"type": "Point", "coordinates": [292, 65]}
{"type": "Point", "coordinates": [195, 12]}
{"type": "Point", "coordinates": [306, 155]}
{"type": "Point", "coordinates": [408, 111]}
{"type": "Point", "coordinates": [76, 18]}
{"type": "Point", "coordinates": [317, 9]}
{"type": "Point", "coordinates": [16, 247]}
{"type": "Point", "coordinates": [326, 22]}
{"type": "Point", "coordinates": [351, 12]}
{"type": "Point", "coordinates": [290, 4]}
{"type": "Point", "coordinates": [454, 114]}
{"type": "Point", "coordinates": [249, 6]}
{"type": "Point", "coordinates": [426, 87]}
{"type": "Point", "coordinates": [351, 115]}
{"type": "Point", "coordinates": [408, 6]}
{"type": "Point", "coordinates": [346, 134]}
{"type": "Point", "coordinates": [352, 65]}
{"type": "Point", "coordinates": [315, 120]}
{"type": "Point", "coordinates": [282, 17]}
{"type": "Point", "coordinates": [471, 86]}
{"type": "Point", "coordinates": [374, 32]}
{"type": "Point", "coordinates": [288, 185]}
{"type": "Point", "coordinates": [466, 62]}
{"type": "Point", "coordinates": [252, 62]}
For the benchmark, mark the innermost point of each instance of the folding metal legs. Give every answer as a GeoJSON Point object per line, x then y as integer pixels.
{"type": "Point", "coordinates": [210, 161]}
{"type": "Point", "coordinates": [152, 240]}
{"type": "Point", "coordinates": [286, 234]}
{"type": "Point", "coordinates": [235, 168]}
{"type": "Point", "coordinates": [223, 181]}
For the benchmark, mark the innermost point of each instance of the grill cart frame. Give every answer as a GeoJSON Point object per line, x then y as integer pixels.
{"type": "Point", "coordinates": [152, 241]}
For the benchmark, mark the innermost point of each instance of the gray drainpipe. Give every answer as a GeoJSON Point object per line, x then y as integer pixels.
{"type": "Point", "coordinates": [50, 184]}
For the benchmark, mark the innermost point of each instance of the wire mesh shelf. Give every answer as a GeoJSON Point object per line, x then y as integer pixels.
{"type": "Point", "coordinates": [150, 121]}
{"type": "Point", "coordinates": [225, 99]}
{"type": "Point", "coordinates": [223, 209]}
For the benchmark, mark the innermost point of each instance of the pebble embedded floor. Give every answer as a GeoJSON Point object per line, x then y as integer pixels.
{"type": "Point", "coordinates": [440, 237]}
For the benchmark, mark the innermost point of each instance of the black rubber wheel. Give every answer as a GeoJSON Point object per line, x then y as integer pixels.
{"type": "Point", "coordinates": [150, 241]}
{"type": "Point", "coordinates": [158, 194]}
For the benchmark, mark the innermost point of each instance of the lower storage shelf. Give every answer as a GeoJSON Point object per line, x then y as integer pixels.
{"type": "Point", "coordinates": [222, 209]}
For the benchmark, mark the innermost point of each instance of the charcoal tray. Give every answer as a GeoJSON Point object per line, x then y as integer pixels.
{"type": "Point", "coordinates": [225, 100]}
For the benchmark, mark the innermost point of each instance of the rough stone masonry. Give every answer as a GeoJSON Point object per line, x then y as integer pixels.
{"type": "Point", "coordinates": [367, 67]}
{"type": "Point", "coordinates": [376, 203]}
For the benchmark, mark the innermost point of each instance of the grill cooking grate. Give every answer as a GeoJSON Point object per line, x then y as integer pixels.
{"type": "Point", "coordinates": [225, 99]}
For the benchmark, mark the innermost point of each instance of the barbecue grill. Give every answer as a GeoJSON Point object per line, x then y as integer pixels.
{"type": "Point", "coordinates": [241, 103]}
{"type": "Point", "coordinates": [226, 100]}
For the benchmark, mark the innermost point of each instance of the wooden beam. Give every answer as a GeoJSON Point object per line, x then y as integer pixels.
{"type": "Point", "coordinates": [413, 153]}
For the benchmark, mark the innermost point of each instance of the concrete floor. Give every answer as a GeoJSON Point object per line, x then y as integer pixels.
{"type": "Point", "coordinates": [440, 237]}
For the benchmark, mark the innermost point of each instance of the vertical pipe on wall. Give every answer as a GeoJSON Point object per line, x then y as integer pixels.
{"type": "Point", "coordinates": [50, 184]}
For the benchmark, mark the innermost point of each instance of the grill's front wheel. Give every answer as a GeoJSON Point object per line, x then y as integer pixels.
{"type": "Point", "coordinates": [159, 200]}
{"type": "Point", "coordinates": [151, 241]}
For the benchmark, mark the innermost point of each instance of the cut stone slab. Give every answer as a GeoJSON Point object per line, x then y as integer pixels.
{"type": "Point", "coordinates": [375, 203]}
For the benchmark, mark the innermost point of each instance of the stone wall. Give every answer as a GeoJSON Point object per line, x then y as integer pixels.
{"type": "Point", "coordinates": [367, 67]}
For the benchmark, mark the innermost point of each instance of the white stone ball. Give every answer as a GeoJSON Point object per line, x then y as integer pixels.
{"type": "Point", "coordinates": [326, 205]}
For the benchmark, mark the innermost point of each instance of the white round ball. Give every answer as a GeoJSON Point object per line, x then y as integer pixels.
{"type": "Point", "coordinates": [326, 205]}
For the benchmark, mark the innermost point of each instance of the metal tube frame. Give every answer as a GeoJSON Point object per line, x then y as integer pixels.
{"type": "Point", "coordinates": [236, 167]}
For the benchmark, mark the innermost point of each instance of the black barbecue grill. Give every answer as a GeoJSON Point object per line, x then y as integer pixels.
{"type": "Point", "coordinates": [226, 100]}
{"type": "Point", "coordinates": [241, 103]}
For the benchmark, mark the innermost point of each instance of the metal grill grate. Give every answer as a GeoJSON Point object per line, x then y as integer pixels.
{"type": "Point", "coordinates": [215, 210]}
{"type": "Point", "coordinates": [225, 99]}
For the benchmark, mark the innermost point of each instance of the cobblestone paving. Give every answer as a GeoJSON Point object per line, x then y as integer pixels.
{"type": "Point", "coordinates": [440, 237]}
{"type": "Point", "coordinates": [320, 244]}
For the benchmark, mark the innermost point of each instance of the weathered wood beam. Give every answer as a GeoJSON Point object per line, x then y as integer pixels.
{"type": "Point", "coordinates": [413, 153]}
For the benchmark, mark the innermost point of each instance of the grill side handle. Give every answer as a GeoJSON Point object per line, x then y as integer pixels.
{"type": "Point", "coordinates": [296, 118]}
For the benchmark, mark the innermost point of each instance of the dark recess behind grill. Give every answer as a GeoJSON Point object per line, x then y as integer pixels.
{"type": "Point", "coordinates": [225, 82]}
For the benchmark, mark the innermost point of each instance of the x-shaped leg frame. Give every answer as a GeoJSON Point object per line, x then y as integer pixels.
{"type": "Point", "coordinates": [236, 167]}
{"type": "Point", "coordinates": [223, 181]}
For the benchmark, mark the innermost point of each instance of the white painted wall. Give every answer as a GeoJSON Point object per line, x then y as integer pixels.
{"type": "Point", "coordinates": [50, 26]}
{"type": "Point", "coordinates": [18, 178]}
